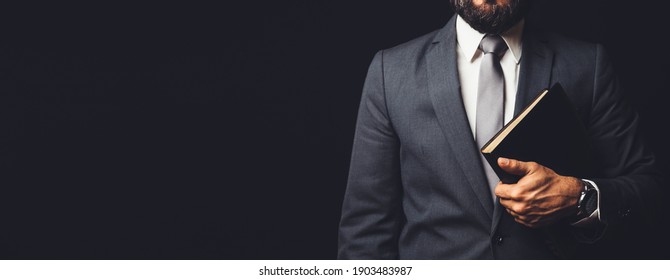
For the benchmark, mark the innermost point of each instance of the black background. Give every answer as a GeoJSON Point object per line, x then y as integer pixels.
{"type": "Point", "coordinates": [195, 131]}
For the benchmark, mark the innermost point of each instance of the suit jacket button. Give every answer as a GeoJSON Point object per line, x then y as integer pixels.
{"type": "Point", "coordinates": [499, 240]}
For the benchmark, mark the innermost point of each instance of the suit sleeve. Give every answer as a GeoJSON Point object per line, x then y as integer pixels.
{"type": "Point", "coordinates": [371, 211]}
{"type": "Point", "coordinates": [627, 178]}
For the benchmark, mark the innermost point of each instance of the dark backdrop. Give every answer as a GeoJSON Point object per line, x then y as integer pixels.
{"type": "Point", "coordinates": [224, 131]}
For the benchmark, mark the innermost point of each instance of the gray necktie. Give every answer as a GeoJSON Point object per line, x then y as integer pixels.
{"type": "Point", "coordinates": [490, 97]}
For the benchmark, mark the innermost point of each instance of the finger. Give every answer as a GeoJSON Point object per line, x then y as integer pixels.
{"type": "Point", "coordinates": [511, 213]}
{"type": "Point", "coordinates": [520, 221]}
{"type": "Point", "coordinates": [507, 203]}
{"type": "Point", "coordinates": [503, 191]}
{"type": "Point", "coordinates": [516, 207]}
{"type": "Point", "coordinates": [529, 221]}
{"type": "Point", "coordinates": [513, 192]}
{"type": "Point", "coordinates": [533, 221]}
{"type": "Point", "coordinates": [526, 220]}
{"type": "Point", "coordinates": [515, 167]}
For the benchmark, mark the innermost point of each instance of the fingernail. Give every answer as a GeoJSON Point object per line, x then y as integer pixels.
{"type": "Point", "coordinates": [503, 161]}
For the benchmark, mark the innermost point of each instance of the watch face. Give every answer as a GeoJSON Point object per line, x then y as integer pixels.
{"type": "Point", "coordinates": [590, 202]}
{"type": "Point", "coordinates": [589, 193]}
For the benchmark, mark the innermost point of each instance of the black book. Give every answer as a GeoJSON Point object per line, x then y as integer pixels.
{"type": "Point", "coordinates": [548, 131]}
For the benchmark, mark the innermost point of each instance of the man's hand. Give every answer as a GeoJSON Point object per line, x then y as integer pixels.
{"type": "Point", "coordinates": [541, 197]}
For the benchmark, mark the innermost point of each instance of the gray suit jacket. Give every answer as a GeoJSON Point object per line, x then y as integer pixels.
{"type": "Point", "coordinates": [417, 188]}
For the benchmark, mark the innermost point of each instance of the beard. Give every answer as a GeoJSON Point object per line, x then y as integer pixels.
{"type": "Point", "coordinates": [489, 17]}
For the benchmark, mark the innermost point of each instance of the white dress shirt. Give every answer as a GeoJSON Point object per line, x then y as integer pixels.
{"type": "Point", "coordinates": [469, 58]}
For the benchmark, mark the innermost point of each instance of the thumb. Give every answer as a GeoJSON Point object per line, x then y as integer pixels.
{"type": "Point", "coordinates": [515, 167]}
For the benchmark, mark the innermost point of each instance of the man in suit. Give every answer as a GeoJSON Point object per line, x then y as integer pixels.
{"type": "Point", "coordinates": [418, 187]}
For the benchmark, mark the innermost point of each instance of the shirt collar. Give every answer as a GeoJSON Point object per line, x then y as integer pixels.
{"type": "Point", "coordinates": [468, 39]}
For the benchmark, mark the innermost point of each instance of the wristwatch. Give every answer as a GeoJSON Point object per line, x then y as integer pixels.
{"type": "Point", "coordinates": [588, 200]}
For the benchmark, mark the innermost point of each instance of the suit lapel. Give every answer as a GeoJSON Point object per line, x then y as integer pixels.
{"type": "Point", "coordinates": [534, 76]}
{"type": "Point", "coordinates": [535, 72]}
{"type": "Point", "coordinates": [445, 93]}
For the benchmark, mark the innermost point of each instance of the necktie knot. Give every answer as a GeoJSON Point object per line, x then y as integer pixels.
{"type": "Point", "coordinates": [493, 44]}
